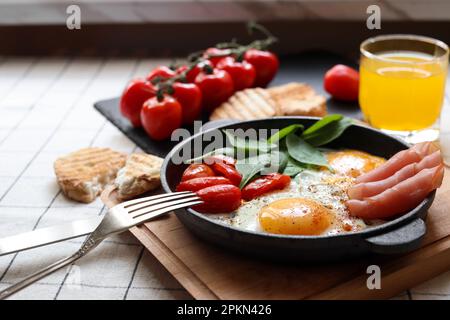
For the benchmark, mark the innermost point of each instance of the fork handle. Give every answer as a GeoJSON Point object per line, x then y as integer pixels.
{"type": "Point", "coordinates": [91, 242]}
{"type": "Point", "coordinates": [39, 275]}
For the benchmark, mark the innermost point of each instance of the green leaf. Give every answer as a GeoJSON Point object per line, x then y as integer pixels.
{"type": "Point", "coordinates": [263, 163]}
{"type": "Point", "coordinates": [247, 171]}
{"type": "Point", "coordinates": [223, 151]}
{"type": "Point", "coordinates": [323, 122]}
{"type": "Point", "coordinates": [284, 132]}
{"type": "Point", "coordinates": [248, 144]}
{"type": "Point", "coordinates": [326, 132]}
{"type": "Point", "coordinates": [303, 152]}
{"type": "Point", "coordinates": [293, 167]}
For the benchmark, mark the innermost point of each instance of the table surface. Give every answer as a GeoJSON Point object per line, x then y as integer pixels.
{"type": "Point", "coordinates": [46, 111]}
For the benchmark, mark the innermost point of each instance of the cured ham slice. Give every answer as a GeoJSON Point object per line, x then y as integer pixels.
{"type": "Point", "coordinates": [399, 198]}
{"type": "Point", "coordinates": [398, 161]}
{"type": "Point", "coordinates": [368, 189]}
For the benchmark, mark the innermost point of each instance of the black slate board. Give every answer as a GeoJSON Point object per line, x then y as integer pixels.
{"type": "Point", "coordinates": [309, 68]}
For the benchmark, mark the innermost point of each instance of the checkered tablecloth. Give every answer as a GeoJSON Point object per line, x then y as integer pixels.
{"type": "Point", "coordinates": [46, 111]}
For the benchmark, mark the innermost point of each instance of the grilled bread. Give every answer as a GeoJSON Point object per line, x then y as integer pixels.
{"type": "Point", "coordinates": [140, 174]}
{"type": "Point", "coordinates": [285, 100]}
{"type": "Point", "coordinates": [83, 174]}
{"type": "Point", "coordinates": [247, 104]}
{"type": "Point", "coordinates": [298, 99]}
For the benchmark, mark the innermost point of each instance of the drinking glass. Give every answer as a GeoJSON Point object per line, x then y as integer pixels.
{"type": "Point", "coordinates": [402, 85]}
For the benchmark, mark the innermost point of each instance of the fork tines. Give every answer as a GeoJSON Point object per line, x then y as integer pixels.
{"type": "Point", "coordinates": [145, 208]}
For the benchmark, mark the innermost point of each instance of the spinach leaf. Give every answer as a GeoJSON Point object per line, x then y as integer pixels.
{"type": "Point", "coordinates": [264, 163]}
{"type": "Point", "coordinates": [284, 132]}
{"type": "Point", "coordinates": [293, 167]}
{"type": "Point", "coordinates": [323, 122]}
{"type": "Point", "coordinates": [223, 151]}
{"type": "Point", "coordinates": [248, 144]}
{"type": "Point", "coordinates": [303, 152]}
{"type": "Point", "coordinates": [327, 132]}
{"type": "Point", "coordinates": [247, 171]}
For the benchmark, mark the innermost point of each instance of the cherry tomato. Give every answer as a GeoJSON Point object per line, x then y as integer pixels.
{"type": "Point", "coordinates": [220, 198]}
{"type": "Point", "coordinates": [161, 118]}
{"type": "Point", "coordinates": [215, 54]}
{"type": "Point", "coordinates": [266, 66]}
{"type": "Point", "coordinates": [228, 172]}
{"type": "Point", "coordinates": [135, 94]}
{"type": "Point", "coordinates": [161, 72]}
{"type": "Point", "coordinates": [216, 88]}
{"type": "Point", "coordinates": [197, 170]}
{"type": "Point", "coordinates": [200, 183]}
{"type": "Point", "coordinates": [190, 98]}
{"type": "Point", "coordinates": [181, 69]}
{"type": "Point", "coordinates": [193, 73]}
{"type": "Point", "coordinates": [342, 83]}
{"type": "Point", "coordinates": [242, 73]}
{"type": "Point", "coordinates": [220, 158]}
{"type": "Point", "coordinates": [264, 184]}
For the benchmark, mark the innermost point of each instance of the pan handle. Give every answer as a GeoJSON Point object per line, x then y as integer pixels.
{"type": "Point", "coordinates": [401, 240]}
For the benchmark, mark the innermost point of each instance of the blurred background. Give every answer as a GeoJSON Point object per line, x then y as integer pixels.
{"type": "Point", "coordinates": [176, 27]}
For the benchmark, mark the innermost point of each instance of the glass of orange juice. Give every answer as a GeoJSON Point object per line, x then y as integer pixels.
{"type": "Point", "coordinates": [402, 84]}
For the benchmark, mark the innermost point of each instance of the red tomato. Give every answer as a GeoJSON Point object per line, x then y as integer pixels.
{"type": "Point", "coordinates": [227, 171]}
{"type": "Point", "coordinates": [200, 183]}
{"type": "Point", "coordinates": [216, 88]}
{"type": "Point", "coordinates": [161, 118]}
{"type": "Point", "coordinates": [197, 170]}
{"type": "Point", "coordinates": [242, 73]}
{"type": "Point", "coordinates": [264, 184]}
{"type": "Point", "coordinates": [266, 66]}
{"type": "Point", "coordinates": [190, 98]}
{"type": "Point", "coordinates": [135, 94]}
{"type": "Point", "coordinates": [161, 72]}
{"type": "Point", "coordinates": [181, 69]}
{"type": "Point", "coordinates": [221, 198]}
{"type": "Point", "coordinates": [220, 158]}
{"type": "Point", "coordinates": [215, 55]}
{"type": "Point", "coordinates": [342, 83]}
{"type": "Point", "coordinates": [193, 73]}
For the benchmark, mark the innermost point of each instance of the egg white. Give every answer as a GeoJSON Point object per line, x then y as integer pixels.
{"type": "Point", "coordinates": [322, 186]}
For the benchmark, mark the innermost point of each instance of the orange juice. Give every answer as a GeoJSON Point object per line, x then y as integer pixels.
{"type": "Point", "coordinates": [401, 90]}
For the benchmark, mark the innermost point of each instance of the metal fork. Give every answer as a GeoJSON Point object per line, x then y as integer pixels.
{"type": "Point", "coordinates": [118, 219]}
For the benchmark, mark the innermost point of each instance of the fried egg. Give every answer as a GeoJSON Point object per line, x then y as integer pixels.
{"type": "Point", "coordinates": [353, 163]}
{"type": "Point", "coordinates": [313, 203]}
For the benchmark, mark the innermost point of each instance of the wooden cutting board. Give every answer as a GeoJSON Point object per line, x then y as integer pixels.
{"type": "Point", "coordinates": [208, 272]}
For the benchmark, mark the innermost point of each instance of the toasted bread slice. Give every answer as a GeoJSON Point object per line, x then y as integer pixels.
{"type": "Point", "coordinates": [292, 99]}
{"type": "Point", "coordinates": [140, 174]}
{"type": "Point", "coordinates": [83, 174]}
{"type": "Point", "coordinates": [298, 99]}
{"type": "Point", "coordinates": [247, 104]}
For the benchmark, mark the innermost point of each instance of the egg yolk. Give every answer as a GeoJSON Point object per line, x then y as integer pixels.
{"type": "Point", "coordinates": [295, 216]}
{"type": "Point", "coordinates": [353, 163]}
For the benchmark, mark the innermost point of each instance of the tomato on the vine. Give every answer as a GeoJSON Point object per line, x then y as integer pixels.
{"type": "Point", "coordinates": [190, 98]}
{"type": "Point", "coordinates": [266, 65]}
{"type": "Point", "coordinates": [242, 72]}
{"type": "Point", "coordinates": [161, 73]}
{"type": "Point", "coordinates": [193, 73]}
{"type": "Point", "coordinates": [215, 54]}
{"type": "Point", "coordinates": [216, 86]}
{"type": "Point", "coordinates": [134, 95]}
{"type": "Point", "coordinates": [161, 116]}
